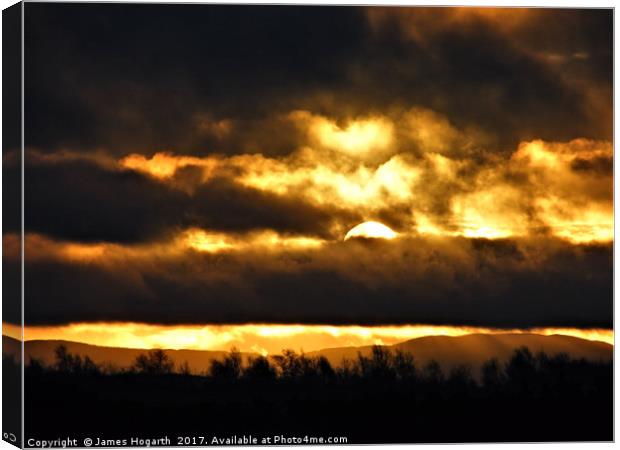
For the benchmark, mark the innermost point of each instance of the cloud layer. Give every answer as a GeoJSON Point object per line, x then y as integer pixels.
{"type": "Point", "coordinates": [414, 280]}
{"type": "Point", "coordinates": [129, 78]}
{"type": "Point", "coordinates": [198, 164]}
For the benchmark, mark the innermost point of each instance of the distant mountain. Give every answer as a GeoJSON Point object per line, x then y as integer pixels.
{"type": "Point", "coordinates": [472, 350]}
{"type": "Point", "coordinates": [475, 349]}
{"type": "Point", "coordinates": [198, 360]}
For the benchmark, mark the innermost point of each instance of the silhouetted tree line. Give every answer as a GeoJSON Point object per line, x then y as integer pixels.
{"type": "Point", "coordinates": [385, 396]}
{"type": "Point", "coordinates": [523, 372]}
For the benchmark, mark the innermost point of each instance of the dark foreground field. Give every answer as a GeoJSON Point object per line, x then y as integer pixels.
{"type": "Point", "coordinates": [384, 398]}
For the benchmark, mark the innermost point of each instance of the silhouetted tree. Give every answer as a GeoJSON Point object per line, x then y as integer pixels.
{"type": "Point", "coordinates": [228, 369]}
{"type": "Point", "coordinates": [347, 370]}
{"type": "Point", "coordinates": [460, 381]}
{"type": "Point", "coordinates": [155, 362]}
{"type": "Point", "coordinates": [288, 363]}
{"type": "Point", "coordinates": [89, 367]}
{"type": "Point", "coordinates": [185, 369]}
{"type": "Point", "coordinates": [293, 366]}
{"type": "Point", "coordinates": [433, 372]}
{"type": "Point", "coordinates": [36, 366]}
{"type": "Point", "coordinates": [521, 371]}
{"type": "Point", "coordinates": [404, 365]}
{"type": "Point", "coordinates": [560, 397]}
{"type": "Point", "coordinates": [378, 365]}
{"type": "Point", "coordinates": [109, 368]}
{"type": "Point", "coordinates": [259, 369]}
{"type": "Point", "coordinates": [492, 374]}
{"type": "Point", "coordinates": [324, 368]}
{"type": "Point", "coordinates": [67, 362]}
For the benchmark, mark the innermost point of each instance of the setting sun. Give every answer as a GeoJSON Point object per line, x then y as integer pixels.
{"type": "Point", "coordinates": [371, 230]}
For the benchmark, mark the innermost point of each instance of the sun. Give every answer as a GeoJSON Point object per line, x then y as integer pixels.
{"type": "Point", "coordinates": [371, 230]}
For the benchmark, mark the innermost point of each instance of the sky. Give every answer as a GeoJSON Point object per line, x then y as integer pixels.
{"type": "Point", "coordinates": [192, 165]}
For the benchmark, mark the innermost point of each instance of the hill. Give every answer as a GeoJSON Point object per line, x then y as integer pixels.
{"type": "Point", "coordinates": [448, 351]}
{"type": "Point", "coordinates": [475, 349]}
{"type": "Point", "coordinates": [198, 360]}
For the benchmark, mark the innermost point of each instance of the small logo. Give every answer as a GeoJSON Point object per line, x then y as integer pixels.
{"type": "Point", "coordinates": [10, 437]}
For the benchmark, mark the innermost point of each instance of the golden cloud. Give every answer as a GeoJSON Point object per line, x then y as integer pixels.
{"type": "Point", "coordinates": [415, 163]}
{"type": "Point", "coordinates": [42, 248]}
{"type": "Point", "coordinates": [364, 138]}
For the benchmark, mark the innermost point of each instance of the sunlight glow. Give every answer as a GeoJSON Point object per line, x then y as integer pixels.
{"type": "Point", "coordinates": [212, 242]}
{"type": "Point", "coordinates": [268, 338]}
{"type": "Point", "coordinates": [357, 137]}
{"type": "Point", "coordinates": [164, 164]}
{"type": "Point", "coordinates": [563, 189]}
{"type": "Point", "coordinates": [40, 247]}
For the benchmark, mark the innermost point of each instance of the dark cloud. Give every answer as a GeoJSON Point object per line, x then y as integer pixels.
{"type": "Point", "coordinates": [133, 77]}
{"type": "Point", "coordinates": [222, 204]}
{"type": "Point", "coordinates": [460, 87]}
{"type": "Point", "coordinates": [481, 70]}
{"type": "Point", "coordinates": [83, 201]}
{"type": "Point", "coordinates": [602, 166]}
{"type": "Point", "coordinates": [142, 78]}
{"type": "Point", "coordinates": [449, 281]}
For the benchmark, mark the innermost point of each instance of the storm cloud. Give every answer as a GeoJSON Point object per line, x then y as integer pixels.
{"type": "Point", "coordinates": [458, 281]}
{"type": "Point", "coordinates": [129, 78]}
{"type": "Point", "coordinates": [203, 164]}
{"type": "Point", "coordinates": [83, 201]}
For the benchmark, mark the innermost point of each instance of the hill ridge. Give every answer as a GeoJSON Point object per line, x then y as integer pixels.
{"type": "Point", "coordinates": [449, 351]}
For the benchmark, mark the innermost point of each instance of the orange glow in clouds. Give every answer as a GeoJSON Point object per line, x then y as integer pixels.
{"type": "Point", "coordinates": [367, 166]}
{"type": "Point", "coordinates": [267, 338]}
{"type": "Point", "coordinates": [213, 242]}
{"type": "Point", "coordinates": [164, 165]}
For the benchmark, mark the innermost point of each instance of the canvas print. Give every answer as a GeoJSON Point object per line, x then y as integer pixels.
{"type": "Point", "coordinates": [305, 224]}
